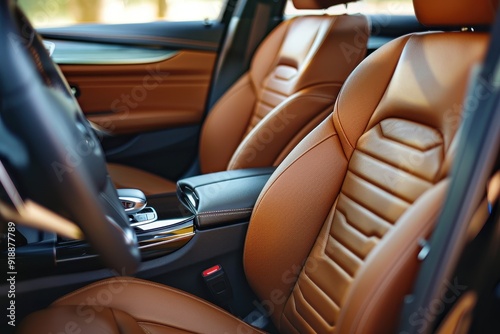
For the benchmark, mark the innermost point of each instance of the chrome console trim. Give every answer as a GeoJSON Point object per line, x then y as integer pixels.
{"type": "Point", "coordinates": [160, 224]}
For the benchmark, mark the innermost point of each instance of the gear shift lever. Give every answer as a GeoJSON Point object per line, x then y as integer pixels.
{"type": "Point", "coordinates": [133, 200]}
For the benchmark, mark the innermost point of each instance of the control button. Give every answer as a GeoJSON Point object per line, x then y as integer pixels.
{"type": "Point", "coordinates": [151, 216]}
{"type": "Point", "coordinates": [141, 217]}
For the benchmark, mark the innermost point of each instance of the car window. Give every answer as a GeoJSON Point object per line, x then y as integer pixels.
{"type": "Point", "coordinates": [56, 13]}
{"type": "Point", "coordinates": [389, 7]}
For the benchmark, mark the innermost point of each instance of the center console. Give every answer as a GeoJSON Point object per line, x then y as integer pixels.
{"type": "Point", "coordinates": [163, 223]}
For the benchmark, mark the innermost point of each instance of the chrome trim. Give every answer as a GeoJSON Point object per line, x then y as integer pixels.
{"type": "Point", "coordinates": [10, 189]}
{"type": "Point", "coordinates": [138, 203]}
{"type": "Point", "coordinates": [161, 223]}
{"type": "Point", "coordinates": [137, 223]}
{"type": "Point", "coordinates": [176, 233]}
{"type": "Point", "coordinates": [49, 46]}
{"type": "Point", "coordinates": [166, 241]}
{"type": "Point", "coordinates": [83, 53]}
{"type": "Point", "coordinates": [192, 199]}
{"type": "Point", "coordinates": [426, 248]}
{"type": "Point", "coordinates": [169, 240]}
{"type": "Point", "coordinates": [69, 259]}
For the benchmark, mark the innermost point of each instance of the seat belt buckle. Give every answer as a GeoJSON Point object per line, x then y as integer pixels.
{"type": "Point", "coordinates": [218, 284]}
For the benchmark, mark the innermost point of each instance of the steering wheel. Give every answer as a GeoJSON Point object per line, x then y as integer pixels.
{"type": "Point", "coordinates": [49, 149]}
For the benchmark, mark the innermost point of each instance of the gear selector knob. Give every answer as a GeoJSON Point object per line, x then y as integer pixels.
{"type": "Point", "coordinates": [133, 200]}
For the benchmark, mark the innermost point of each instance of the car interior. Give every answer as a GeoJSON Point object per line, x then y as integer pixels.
{"type": "Point", "coordinates": [258, 173]}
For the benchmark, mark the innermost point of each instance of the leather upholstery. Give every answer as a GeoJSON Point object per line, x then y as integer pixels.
{"type": "Point", "coordinates": [376, 163]}
{"type": "Point", "coordinates": [373, 303]}
{"type": "Point", "coordinates": [295, 75]}
{"type": "Point", "coordinates": [318, 4]}
{"type": "Point", "coordinates": [123, 311]}
{"type": "Point", "coordinates": [135, 98]}
{"type": "Point", "coordinates": [291, 86]}
{"type": "Point", "coordinates": [130, 177]}
{"type": "Point", "coordinates": [463, 13]}
{"type": "Point", "coordinates": [333, 240]}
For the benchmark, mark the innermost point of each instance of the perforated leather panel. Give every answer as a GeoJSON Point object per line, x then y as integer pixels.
{"type": "Point", "coordinates": [392, 165]}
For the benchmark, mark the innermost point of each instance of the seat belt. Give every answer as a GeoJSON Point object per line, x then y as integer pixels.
{"type": "Point", "coordinates": [240, 35]}
{"type": "Point", "coordinates": [259, 29]}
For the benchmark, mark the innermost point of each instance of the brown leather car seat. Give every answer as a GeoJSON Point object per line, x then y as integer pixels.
{"type": "Point", "coordinates": [293, 81]}
{"type": "Point", "coordinates": [333, 240]}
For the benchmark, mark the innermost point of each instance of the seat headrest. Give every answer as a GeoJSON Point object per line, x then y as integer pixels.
{"type": "Point", "coordinates": [460, 13]}
{"type": "Point", "coordinates": [318, 4]}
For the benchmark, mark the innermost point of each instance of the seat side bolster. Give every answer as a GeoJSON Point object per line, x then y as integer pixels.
{"type": "Point", "coordinates": [363, 91]}
{"type": "Point", "coordinates": [225, 126]}
{"type": "Point", "coordinates": [297, 184]}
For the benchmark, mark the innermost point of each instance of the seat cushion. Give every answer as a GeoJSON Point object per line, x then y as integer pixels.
{"type": "Point", "coordinates": [130, 305]}
{"type": "Point", "coordinates": [130, 177]}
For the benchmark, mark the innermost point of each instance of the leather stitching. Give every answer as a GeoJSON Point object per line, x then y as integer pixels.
{"type": "Point", "coordinates": [224, 212]}
{"type": "Point", "coordinates": [342, 131]}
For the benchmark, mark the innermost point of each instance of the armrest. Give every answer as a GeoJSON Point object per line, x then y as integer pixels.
{"type": "Point", "coordinates": [223, 198]}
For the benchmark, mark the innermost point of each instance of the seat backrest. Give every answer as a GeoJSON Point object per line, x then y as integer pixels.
{"type": "Point", "coordinates": [291, 86]}
{"type": "Point", "coordinates": [334, 236]}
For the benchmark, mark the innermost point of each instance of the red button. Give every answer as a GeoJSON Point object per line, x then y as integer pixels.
{"type": "Point", "coordinates": [211, 270]}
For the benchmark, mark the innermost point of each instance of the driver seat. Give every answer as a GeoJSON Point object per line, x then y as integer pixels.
{"type": "Point", "coordinates": [333, 240]}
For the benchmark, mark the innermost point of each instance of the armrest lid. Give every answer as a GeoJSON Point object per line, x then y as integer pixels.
{"type": "Point", "coordinates": [224, 197]}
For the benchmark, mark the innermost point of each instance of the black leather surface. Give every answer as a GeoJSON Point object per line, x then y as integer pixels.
{"type": "Point", "coordinates": [225, 197]}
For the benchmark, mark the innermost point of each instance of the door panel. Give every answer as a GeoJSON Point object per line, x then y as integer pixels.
{"type": "Point", "coordinates": [135, 98]}
{"type": "Point", "coordinates": [146, 84]}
